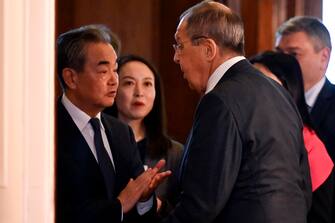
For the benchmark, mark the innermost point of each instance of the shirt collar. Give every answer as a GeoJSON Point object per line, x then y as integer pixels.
{"type": "Point", "coordinates": [313, 92]}
{"type": "Point", "coordinates": [220, 71]}
{"type": "Point", "coordinates": [80, 118]}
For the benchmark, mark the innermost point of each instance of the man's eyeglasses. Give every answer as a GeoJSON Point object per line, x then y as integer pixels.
{"type": "Point", "coordinates": [180, 46]}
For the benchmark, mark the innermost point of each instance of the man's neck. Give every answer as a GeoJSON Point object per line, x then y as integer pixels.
{"type": "Point", "coordinates": [313, 92]}
{"type": "Point", "coordinates": [92, 112]}
{"type": "Point", "coordinates": [220, 70]}
{"type": "Point", "coordinates": [311, 84]}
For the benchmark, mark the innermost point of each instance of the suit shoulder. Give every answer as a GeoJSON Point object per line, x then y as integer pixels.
{"type": "Point", "coordinates": [332, 89]}
{"type": "Point", "coordinates": [176, 148]}
{"type": "Point", "coordinates": [330, 86]}
{"type": "Point", "coordinates": [327, 95]}
{"type": "Point", "coordinates": [176, 145]}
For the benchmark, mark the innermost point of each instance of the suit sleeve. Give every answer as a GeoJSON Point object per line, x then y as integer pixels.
{"type": "Point", "coordinates": [212, 163]}
{"type": "Point", "coordinates": [88, 209]}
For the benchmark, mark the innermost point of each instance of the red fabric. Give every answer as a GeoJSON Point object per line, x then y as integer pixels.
{"type": "Point", "coordinates": [320, 163]}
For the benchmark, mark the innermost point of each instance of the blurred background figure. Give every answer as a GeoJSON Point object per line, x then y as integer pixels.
{"type": "Point", "coordinates": [140, 104]}
{"type": "Point", "coordinates": [285, 69]}
{"type": "Point", "coordinates": [308, 40]}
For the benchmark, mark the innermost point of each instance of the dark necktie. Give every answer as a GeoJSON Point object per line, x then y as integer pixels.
{"type": "Point", "coordinates": [309, 108]}
{"type": "Point", "coordinates": [104, 160]}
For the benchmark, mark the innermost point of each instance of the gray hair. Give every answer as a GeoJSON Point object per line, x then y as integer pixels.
{"type": "Point", "coordinates": [114, 38]}
{"type": "Point", "coordinates": [313, 28]}
{"type": "Point", "coordinates": [216, 21]}
{"type": "Point", "coordinates": [71, 47]}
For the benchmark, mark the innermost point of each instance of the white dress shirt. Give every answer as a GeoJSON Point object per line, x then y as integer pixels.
{"type": "Point", "coordinates": [220, 71]}
{"type": "Point", "coordinates": [82, 121]}
{"type": "Point", "coordinates": [312, 94]}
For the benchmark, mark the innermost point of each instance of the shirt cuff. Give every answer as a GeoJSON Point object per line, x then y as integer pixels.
{"type": "Point", "coordinates": [144, 207]}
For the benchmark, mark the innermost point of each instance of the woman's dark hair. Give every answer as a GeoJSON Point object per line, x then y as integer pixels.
{"type": "Point", "coordinates": [288, 71]}
{"type": "Point", "coordinates": [155, 122]}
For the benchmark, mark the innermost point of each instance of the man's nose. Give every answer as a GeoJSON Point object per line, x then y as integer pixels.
{"type": "Point", "coordinates": [113, 79]}
{"type": "Point", "coordinates": [176, 57]}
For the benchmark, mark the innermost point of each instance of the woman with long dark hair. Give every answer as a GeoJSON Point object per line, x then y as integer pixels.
{"type": "Point", "coordinates": [139, 103]}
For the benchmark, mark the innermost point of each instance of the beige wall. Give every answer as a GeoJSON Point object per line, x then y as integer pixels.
{"type": "Point", "coordinates": [27, 111]}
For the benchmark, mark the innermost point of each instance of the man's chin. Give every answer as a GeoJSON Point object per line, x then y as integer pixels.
{"type": "Point", "coordinates": [191, 86]}
{"type": "Point", "coordinates": [108, 103]}
{"type": "Point", "coordinates": [198, 90]}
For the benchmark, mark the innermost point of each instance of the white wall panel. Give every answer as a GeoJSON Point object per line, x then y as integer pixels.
{"type": "Point", "coordinates": [27, 111]}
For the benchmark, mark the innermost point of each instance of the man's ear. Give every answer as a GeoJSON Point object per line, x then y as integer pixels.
{"type": "Point", "coordinates": [325, 56]}
{"type": "Point", "coordinates": [70, 77]}
{"type": "Point", "coordinates": [210, 49]}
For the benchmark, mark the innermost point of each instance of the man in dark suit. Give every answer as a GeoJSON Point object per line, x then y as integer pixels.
{"type": "Point", "coordinates": [100, 177]}
{"type": "Point", "coordinates": [308, 40]}
{"type": "Point", "coordinates": [244, 160]}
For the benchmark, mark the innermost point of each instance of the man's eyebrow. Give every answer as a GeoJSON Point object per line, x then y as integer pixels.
{"type": "Point", "coordinates": [103, 62]}
{"type": "Point", "coordinates": [289, 48]}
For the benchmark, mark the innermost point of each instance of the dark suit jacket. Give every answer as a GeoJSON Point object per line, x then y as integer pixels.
{"type": "Point", "coordinates": [245, 160]}
{"type": "Point", "coordinates": [81, 193]}
{"type": "Point", "coordinates": [323, 118]}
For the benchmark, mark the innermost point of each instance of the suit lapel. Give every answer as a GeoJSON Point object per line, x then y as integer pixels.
{"type": "Point", "coordinates": [73, 143]}
{"type": "Point", "coordinates": [111, 138]}
{"type": "Point", "coordinates": [321, 105]}
{"type": "Point", "coordinates": [113, 144]}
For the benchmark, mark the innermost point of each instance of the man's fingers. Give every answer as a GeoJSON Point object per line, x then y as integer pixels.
{"type": "Point", "coordinates": [165, 173]}
{"type": "Point", "coordinates": [144, 179]}
{"type": "Point", "coordinates": [159, 165]}
{"type": "Point", "coordinates": [159, 178]}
